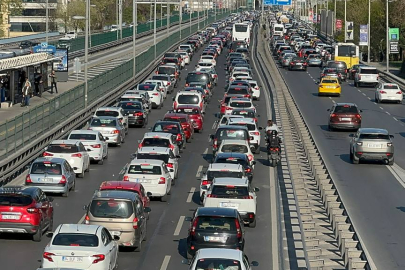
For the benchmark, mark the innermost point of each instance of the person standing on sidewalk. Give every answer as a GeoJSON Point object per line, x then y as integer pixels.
{"type": "Point", "coordinates": [27, 92]}
{"type": "Point", "coordinates": [54, 80]}
{"type": "Point", "coordinates": [38, 85]}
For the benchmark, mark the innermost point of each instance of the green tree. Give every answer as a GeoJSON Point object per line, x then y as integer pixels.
{"type": "Point", "coordinates": [12, 7]}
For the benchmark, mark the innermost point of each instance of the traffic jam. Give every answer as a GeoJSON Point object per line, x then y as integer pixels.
{"type": "Point", "coordinates": [116, 216]}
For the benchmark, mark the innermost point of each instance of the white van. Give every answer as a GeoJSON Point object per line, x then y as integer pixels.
{"type": "Point", "coordinates": [278, 30]}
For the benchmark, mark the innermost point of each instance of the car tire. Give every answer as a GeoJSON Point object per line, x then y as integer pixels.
{"type": "Point", "coordinates": [74, 186]}
{"type": "Point", "coordinates": [355, 160]}
{"type": "Point", "coordinates": [101, 161]}
{"type": "Point", "coordinates": [88, 168]}
{"type": "Point", "coordinates": [252, 224]}
{"type": "Point", "coordinates": [139, 247]}
{"type": "Point", "coordinates": [37, 237]}
{"type": "Point", "coordinates": [66, 194]}
{"type": "Point", "coordinates": [391, 162]}
{"type": "Point", "coordinates": [376, 99]}
{"type": "Point", "coordinates": [188, 255]}
{"type": "Point", "coordinates": [163, 198]}
{"type": "Point", "coordinates": [330, 128]}
{"type": "Point", "coordinates": [257, 151]}
{"type": "Point", "coordinates": [81, 175]}
{"type": "Point", "coordinates": [50, 226]}
{"type": "Point", "coordinates": [173, 183]}
{"type": "Point", "coordinates": [355, 84]}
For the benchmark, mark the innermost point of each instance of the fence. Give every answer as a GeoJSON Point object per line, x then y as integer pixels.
{"type": "Point", "coordinates": [26, 127]}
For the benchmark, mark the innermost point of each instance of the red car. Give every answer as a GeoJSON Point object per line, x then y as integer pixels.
{"type": "Point", "coordinates": [185, 122]}
{"type": "Point", "coordinates": [195, 114]}
{"type": "Point", "coordinates": [25, 210]}
{"type": "Point", "coordinates": [128, 186]}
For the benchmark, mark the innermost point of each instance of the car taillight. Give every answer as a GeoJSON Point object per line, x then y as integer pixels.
{"type": "Point", "coordinates": [248, 96]}
{"type": "Point", "coordinates": [171, 146]}
{"type": "Point", "coordinates": [175, 105]}
{"type": "Point", "coordinates": [211, 196]}
{"type": "Point", "coordinates": [247, 197]}
{"type": "Point", "coordinates": [383, 92]}
{"type": "Point", "coordinates": [46, 154]}
{"type": "Point", "coordinates": [140, 145]}
{"type": "Point", "coordinates": [205, 182]}
{"type": "Point", "coordinates": [358, 116]}
{"type": "Point", "coordinates": [96, 145]}
{"type": "Point", "coordinates": [47, 256]}
{"type": "Point", "coordinates": [138, 114]}
{"type": "Point", "coordinates": [179, 137]}
{"type": "Point", "coordinates": [359, 77]}
{"type": "Point", "coordinates": [98, 258]}
{"type": "Point", "coordinates": [135, 223]}
{"type": "Point", "coordinates": [238, 230]}
{"type": "Point", "coordinates": [115, 131]}
{"type": "Point", "coordinates": [333, 115]}
{"type": "Point", "coordinates": [155, 94]}
{"type": "Point", "coordinates": [63, 180]}
{"type": "Point", "coordinates": [193, 227]}
{"type": "Point", "coordinates": [169, 165]}
{"type": "Point", "coordinates": [169, 83]}
{"type": "Point", "coordinates": [248, 170]}
{"type": "Point", "coordinates": [292, 63]}
{"type": "Point", "coordinates": [399, 92]}
{"type": "Point", "coordinates": [228, 108]}
{"type": "Point", "coordinates": [33, 210]}
{"type": "Point", "coordinates": [215, 75]}
{"type": "Point", "coordinates": [275, 148]}
{"type": "Point", "coordinates": [87, 220]}
{"type": "Point", "coordinates": [77, 155]}
{"type": "Point", "coordinates": [126, 178]}
{"type": "Point", "coordinates": [305, 63]}
{"type": "Point", "coordinates": [162, 180]}
{"type": "Point", "coordinates": [28, 179]}
{"type": "Point", "coordinates": [256, 133]}
{"type": "Point", "coordinates": [250, 157]}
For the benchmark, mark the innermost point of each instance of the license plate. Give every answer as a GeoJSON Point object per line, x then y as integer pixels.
{"type": "Point", "coordinates": [229, 205]}
{"type": "Point", "coordinates": [46, 179]}
{"type": "Point", "coordinates": [142, 180]}
{"type": "Point", "coordinates": [72, 259]}
{"type": "Point", "coordinates": [118, 233]}
{"type": "Point", "coordinates": [12, 217]}
{"type": "Point", "coordinates": [329, 87]}
{"type": "Point", "coordinates": [346, 119]}
{"type": "Point", "coordinates": [374, 145]}
{"type": "Point", "coordinates": [299, 64]}
{"type": "Point", "coordinates": [214, 239]}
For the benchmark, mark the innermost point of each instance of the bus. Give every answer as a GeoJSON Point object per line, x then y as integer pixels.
{"type": "Point", "coordinates": [348, 53]}
{"type": "Point", "coordinates": [241, 31]}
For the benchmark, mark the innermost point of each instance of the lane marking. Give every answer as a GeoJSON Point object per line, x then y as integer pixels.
{"type": "Point", "coordinates": [165, 262]}
{"type": "Point", "coordinates": [206, 151]}
{"type": "Point", "coordinates": [199, 171]}
{"type": "Point", "coordinates": [369, 98]}
{"type": "Point", "coordinates": [179, 225]}
{"type": "Point", "coordinates": [190, 195]}
{"type": "Point", "coordinates": [388, 113]}
{"type": "Point", "coordinates": [364, 94]}
{"type": "Point", "coordinates": [395, 118]}
{"type": "Point", "coordinates": [81, 219]}
{"type": "Point", "coordinates": [381, 108]}
{"type": "Point", "coordinates": [398, 173]}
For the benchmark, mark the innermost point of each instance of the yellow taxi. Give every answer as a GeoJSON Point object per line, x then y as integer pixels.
{"type": "Point", "coordinates": [329, 86]}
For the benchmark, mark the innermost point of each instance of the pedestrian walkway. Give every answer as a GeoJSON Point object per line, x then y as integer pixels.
{"type": "Point", "coordinates": [97, 70]}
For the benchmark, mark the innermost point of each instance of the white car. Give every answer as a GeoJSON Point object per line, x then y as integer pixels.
{"type": "Point", "coordinates": [388, 92]}
{"type": "Point", "coordinates": [220, 258]}
{"type": "Point", "coordinates": [161, 153]}
{"type": "Point", "coordinates": [204, 63]}
{"type": "Point", "coordinates": [217, 170]}
{"type": "Point", "coordinates": [366, 75]}
{"type": "Point", "coordinates": [189, 98]}
{"type": "Point", "coordinates": [242, 69]}
{"type": "Point", "coordinates": [71, 150]}
{"type": "Point", "coordinates": [254, 132]}
{"type": "Point", "coordinates": [233, 193]}
{"type": "Point", "coordinates": [225, 119]}
{"type": "Point", "coordinates": [94, 142]}
{"type": "Point", "coordinates": [81, 246]}
{"type": "Point", "coordinates": [185, 57]}
{"type": "Point", "coordinates": [116, 112]}
{"type": "Point", "coordinates": [209, 58]}
{"type": "Point", "coordinates": [152, 174]}
{"type": "Point", "coordinates": [255, 89]}
{"type": "Point", "coordinates": [161, 85]}
{"type": "Point", "coordinates": [237, 146]}
{"type": "Point", "coordinates": [238, 102]}
{"type": "Point", "coordinates": [160, 139]}
{"type": "Point", "coordinates": [235, 75]}
{"type": "Point", "coordinates": [154, 93]}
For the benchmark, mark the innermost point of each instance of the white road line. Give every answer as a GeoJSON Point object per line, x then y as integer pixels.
{"type": "Point", "coordinates": [190, 195]}
{"type": "Point", "coordinates": [359, 90]}
{"type": "Point", "coordinates": [333, 101]}
{"type": "Point", "coordinates": [209, 139]}
{"type": "Point", "coordinates": [364, 94]}
{"type": "Point", "coordinates": [398, 173]}
{"type": "Point", "coordinates": [199, 171]}
{"type": "Point", "coordinates": [395, 118]}
{"type": "Point", "coordinates": [82, 219]}
{"type": "Point", "coordinates": [329, 97]}
{"type": "Point", "coordinates": [388, 113]}
{"type": "Point", "coordinates": [206, 151]}
{"type": "Point", "coordinates": [179, 225]}
{"type": "Point", "coordinates": [375, 103]}
{"type": "Point", "coordinates": [381, 108]}
{"type": "Point", "coordinates": [369, 98]}
{"type": "Point", "coordinates": [165, 262]}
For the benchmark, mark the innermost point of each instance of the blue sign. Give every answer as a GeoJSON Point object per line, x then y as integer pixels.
{"type": "Point", "coordinates": [62, 64]}
{"type": "Point", "coordinates": [277, 2]}
{"type": "Point", "coordinates": [44, 48]}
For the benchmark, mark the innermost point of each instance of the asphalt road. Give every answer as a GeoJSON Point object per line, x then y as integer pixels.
{"type": "Point", "coordinates": [165, 246]}
{"type": "Point", "coordinates": [373, 193]}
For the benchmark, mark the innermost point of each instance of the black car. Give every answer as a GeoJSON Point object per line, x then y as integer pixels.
{"type": "Point", "coordinates": [135, 112]}
{"type": "Point", "coordinates": [26, 44]}
{"type": "Point", "coordinates": [228, 133]}
{"type": "Point", "coordinates": [215, 227]}
{"type": "Point", "coordinates": [173, 128]}
{"type": "Point", "coordinates": [236, 158]}
{"type": "Point", "coordinates": [237, 44]}
{"type": "Point", "coordinates": [298, 63]}
{"type": "Point", "coordinates": [340, 66]}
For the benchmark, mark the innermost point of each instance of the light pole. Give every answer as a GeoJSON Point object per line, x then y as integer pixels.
{"type": "Point", "coordinates": [181, 17]}
{"type": "Point", "coordinates": [168, 19]}
{"type": "Point", "coordinates": [154, 29]}
{"type": "Point", "coordinates": [47, 22]}
{"type": "Point", "coordinates": [345, 19]}
{"type": "Point", "coordinates": [120, 17]}
{"type": "Point", "coordinates": [134, 28]}
{"type": "Point", "coordinates": [368, 32]}
{"type": "Point", "coordinates": [388, 39]}
{"type": "Point", "coordinates": [198, 12]}
{"type": "Point", "coordinates": [90, 6]}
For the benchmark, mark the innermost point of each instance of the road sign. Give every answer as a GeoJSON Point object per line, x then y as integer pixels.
{"type": "Point", "coordinates": [394, 47]}
{"type": "Point", "coordinates": [77, 67]}
{"type": "Point", "coordinates": [277, 2]}
{"type": "Point", "coordinates": [394, 34]}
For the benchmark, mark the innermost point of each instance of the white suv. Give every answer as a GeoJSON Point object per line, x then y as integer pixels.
{"type": "Point", "coordinates": [71, 150]}
{"type": "Point", "coordinates": [94, 142]}
{"type": "Point", "coordinates": [161, 153]}
{"type": "Point", "coordinates": [234, 193]}
{"type": "Point", "coordinates": [366, 75]}
{"type": "Point", "coordinates": [154, 92]}
{"type": "Point", "coordinates": [152, 174]}
{"type": "Point", "coordinates": [237, 146]}
{"type": "Point", "coordinates": [116, 112]}
{"type": "Point", "coordinates": [254, 132]}
{"type": "Point", "coordinates": [160, 139]}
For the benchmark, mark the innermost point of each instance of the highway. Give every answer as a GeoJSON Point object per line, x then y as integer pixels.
{"type": "Point", "coordinates": [165, 246]}
{"type": "Point", "coordinates": [373, 194]}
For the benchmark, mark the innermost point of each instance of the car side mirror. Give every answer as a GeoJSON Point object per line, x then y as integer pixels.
{"type": "Point", "coordinates": [147, 209]}
{"type": "Point", "coordinates": [328, 110]}
{"type": "Point", "coordinates": [254, 162]}
{"type": "Point", "coordinates": [173, 98]}
{"type": "Point", "coordinates": [211, 136]}
{"type": "Point", "coordinates": [149, 194]}
{"type": "Point", "coordinates": [133, 156]}
{"type": "Point", "coordinates": [256, 189]}
{"type": "Point", "coordinates": [178, 156]}
{"type": "Point", "coordinates": [254, 263]}
{"type": "Point", "coordinates": [85, 207]}
{"type": "Point", "coordinates": [188, 219]}
{"type": "Point", "coordinates": [75, 168]}
{"type": "Point", "coordinates": [106, 138]}
{"type": "Point", "coordinates": [88, 149]}
{"type": "Point", "coordinates": [251, 138]}
{"type": "Point", "coordinates": [392, 136]}
{"type": "Point", "coordinates": [185, 261]}
{"type": "Point", "coordinates": [171, 170]}
{"type": "Point", "coordinates": [50, 199]}
{"type": "Point", "coordinates": [351, 135]}
{"type": "Point", "coordinates": [116, 237]}
{"type": "Point", "coordinates": [361, 110]}
{"type": "Point", "coordinates": [260, 128]}
{"type": "Point", "coordinates": [49, 234]}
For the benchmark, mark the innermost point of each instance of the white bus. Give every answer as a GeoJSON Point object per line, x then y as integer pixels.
{"type": "Point", "coordinates": [241, 31]}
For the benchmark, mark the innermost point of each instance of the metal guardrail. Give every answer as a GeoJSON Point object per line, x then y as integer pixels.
{"type": "Point", "coordinates": [24, 138]}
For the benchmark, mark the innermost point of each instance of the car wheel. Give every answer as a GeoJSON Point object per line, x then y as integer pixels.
{"type": "Point", "coordinates": [355, 160]}
{"type": "Point", "coordinates": [257, 151]}
{"type": "Point", "coordinates": [330, 128]}
{"type": "Point", "coordinates": [88, 167]}
{"type": "Point", "coordinates": [355, 84]}
{"type": "Point", "coordinates": [106, 155]}
{"type": "Point", "coordinates": [253, 224]}
{"type": "Point", "coordinates": [81, 175]}
{"type": "Point", "coordinates": [74, 186]}
{"type": "Point", "coordinates": [391, 162]}
{"type": "Point", "coordinates": [101, 161]}
{"type": "Point", "coordinates": [38, 235]}
{"type": "Point", "coordinates": [163, 198]}
{"type": "Point", "coordinates": [50, 227]}
{"type": "Point", "coordinates": [66, 194]}
{"type": "Point", "coordinates": [189, 256]}
{"type": "Point", "coordinates": [173, 183]}
{"type": "Point", "coordinates": [139, 246]}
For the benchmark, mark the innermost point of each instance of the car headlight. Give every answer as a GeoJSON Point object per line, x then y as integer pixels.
{"type": "Point", "coordinates": [359, 143]}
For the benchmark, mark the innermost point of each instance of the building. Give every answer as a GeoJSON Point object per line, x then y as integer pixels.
{"type": "Point", "coordinates": [33, 17]}
{"type": "Point", "coordinates": [4, 25]}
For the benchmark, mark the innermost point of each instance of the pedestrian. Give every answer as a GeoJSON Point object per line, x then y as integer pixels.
{"type": "Point", "coordinates": [38, 85]}
{"type": "Point", "coordinates": [53, 81]}
{"type": "Point", "coordinates": [27, 92]}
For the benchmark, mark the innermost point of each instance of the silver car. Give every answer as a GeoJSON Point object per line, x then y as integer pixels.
{"type": "Point", "coordinates": [372, 144]}
{"type": "Point", "coordinates": [52, 175]}
{"type": "Point", "coordinates": [285, 61]}
{"type": "Point", "coordinates": [314, 60]}
{"type": "Point", "coordinates": [109, 127]}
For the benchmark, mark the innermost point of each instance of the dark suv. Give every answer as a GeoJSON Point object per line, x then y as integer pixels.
{"type": "Point", "coordinates": [215, 227]}
{"type": "Point", "coordinates": [341, 68]}
{"type": "Point", "coordinates": [25, 210]}
{"type": "Point", "coordinates": [344, 116]}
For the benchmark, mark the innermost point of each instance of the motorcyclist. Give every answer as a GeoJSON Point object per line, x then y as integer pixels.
{"type": "Point", "coordinates": [273, 140]}
{"type": "Point", "coordinates": [271, 126]}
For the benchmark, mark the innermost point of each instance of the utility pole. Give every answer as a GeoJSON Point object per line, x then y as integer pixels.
{"type": "Point", "coordinates": [368, 32]}
{"type": "Point", "coordinates": [345, 19]}
{"type": "Point", "coordinates": [134, 28]}
{"type": "Point", "coordinates": [120, 16]}
{"type": "Point", "coordinates": [154, 30]}
{"type": "Point", "coordinates": [47, 22]}
{"type": "Point", "coordinates": [388, 39]}
{"type": "Point", "coordinates": [181, 17]}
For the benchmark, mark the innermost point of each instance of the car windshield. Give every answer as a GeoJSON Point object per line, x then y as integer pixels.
{"type": "Point", "coordinates": [238, 91]}
{"type": "Point", "coordinates": [235, 134]}
{"type": "Point", "coordinates": [46, 167]}
{"type": "Point", "coordinates": [166, 70]}
{"type": "Point", "coordinates": [145, 169]}
{"type": "Point", "coordinates": [329, 81]}
{"type": "Point", "coordinates": [131, 105]}
{"type": "Point", "coordinates": [160, 78]}
{"type": "Point", "coordinates": [146, 87]}
{"type": "Point", "coordinates": [232, 160]}
{"type": "Point", "coordinates": [247, 114]}
{"type": "Point", "coordinates": [111, 208]}
{"type": "Point", "coordinates": [197, 77]}
{"type": "Point", "coordinates": [83, 137]}
{"type": "Point", "coordinates": [166, 127]}
{"type": "Point", "coordinates": [218, 263]}
{"type": "Point", "coordinates": [162, 157]}
{"type": "Point", "coordinates": [187, 99]}
{"type": "Point", "coordinates": [374, 136]}
{"type": "Point", "coordinates": [75, 239]}
{"type": "Point", "coordinates": [62, 148]}
{"type": "Point", "coordinates": [176, 119]}
{"type": "Point", "coordinates": [346, 109]}
{"type": "Point", "coordinates": [224, 173]}
{"type": "Point", "coordinates": [369, 71]}
{"type": "Point", "coordinates": [230, 191]}
{"type": "Point", "coordinates": [160, 142]}
{"type": "Point", "coordinates": [15, 200]}
{"type": "Point", "coordinates": [234, 148]}
{"type": "Point", "coordinates": [107, 113]}
{"type": "Point", "coordinates": [390, 86]}
{"type": "Point", "coordinates": [103, 123]}
{"type": "Point", "coordinates": [250, 127]}
{"type": "Point", "coordinates": [337, 65]}
{"type": "Point", "coordinates": [240, 104]}
{"type": "Point", "coordinates": [215, 223]}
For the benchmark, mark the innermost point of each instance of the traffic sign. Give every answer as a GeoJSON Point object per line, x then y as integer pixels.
{"type": "Point", "coordinates": [277, 2]}
{"type": "Point", "coordinates": [394, 47]}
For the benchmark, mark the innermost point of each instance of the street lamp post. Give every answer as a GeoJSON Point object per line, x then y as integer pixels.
{"type": "Point", "coordinates": [368, 32]}
{"type": "Point", "coordinates": [154, 29]}
{"type": "Point", "coordinates": [180, 19]}
{"type": "Point", "coordinates": [134, 28]}
{"type": "Point", "coordinates": [198, 14]}
{"type": "Point", "coordinates": [345, 19]}
{"type": "Point", "coordinates": [47, 22]}
{"type": "Point", "coordinates": [168, 19]}
{"type": "Point", "coordinates": [388, 39]}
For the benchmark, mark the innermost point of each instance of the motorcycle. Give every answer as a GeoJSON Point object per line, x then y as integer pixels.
{"type": "Point", "coordinates": [273, 155]}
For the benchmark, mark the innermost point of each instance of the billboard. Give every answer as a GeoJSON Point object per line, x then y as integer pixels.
{"type": "Point", "coordinates": [277, 2]}
{"type": "Point", "coordinates": [349, 31]}
{"type": "Point", "coordinates": [62, 64]}
{"type": "Point", "coordinates": [363, 35]}
{"type": "Point", "coordinates": [339, 25]}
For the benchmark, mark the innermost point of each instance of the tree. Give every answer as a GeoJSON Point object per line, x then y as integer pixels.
{"type": "Point", "coordinates": [9, 8]}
